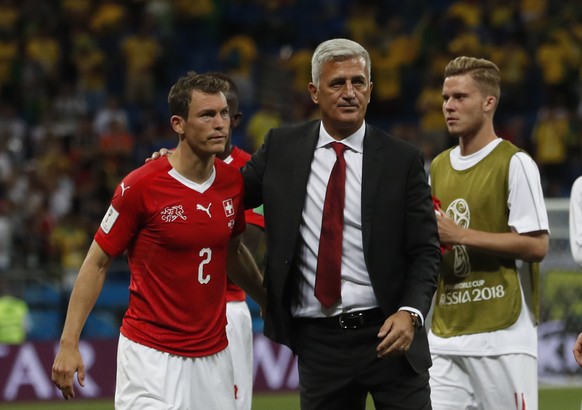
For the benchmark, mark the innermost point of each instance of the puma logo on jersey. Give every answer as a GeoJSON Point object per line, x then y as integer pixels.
{"type": "Point", "coordinates": [124, 188]}
{"type": "Point", "coordinates": [202, 208]}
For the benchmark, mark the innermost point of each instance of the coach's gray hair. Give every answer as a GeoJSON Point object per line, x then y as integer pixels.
{"type": "Point", "coordinates": [337, 49]}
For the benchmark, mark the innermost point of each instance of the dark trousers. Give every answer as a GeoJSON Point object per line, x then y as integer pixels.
{"type": "Point", "coordinates": [338, 368]}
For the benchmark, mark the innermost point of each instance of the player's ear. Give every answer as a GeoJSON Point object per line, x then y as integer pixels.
{"type": "Point", "coordinates": [177, 124]}
{"type": "Point", "coordinates": [235, 119]}
{"type": "Point", "coordinates": [490, 103]}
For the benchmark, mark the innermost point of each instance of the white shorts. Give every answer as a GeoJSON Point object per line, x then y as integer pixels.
{"type": "Point", "coordinates": [148, 379]}
{"type": "Point", "coordinates": [239, 332]}
{"type": "Point", "coordinates": [507, 381]}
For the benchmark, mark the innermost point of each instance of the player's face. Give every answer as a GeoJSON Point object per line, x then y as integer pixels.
{"type": "Point", "coordinates": [343, 95]}
{"type": "Point", "coordinates": [207, 127]}
{"type": "Point", "coordinates": [464, 106]}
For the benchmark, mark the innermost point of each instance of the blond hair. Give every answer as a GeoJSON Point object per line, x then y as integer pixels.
{"type": "Point", "coordinates": [484, 72]}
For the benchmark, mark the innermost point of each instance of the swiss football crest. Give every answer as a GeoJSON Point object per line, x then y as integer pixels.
{"type": "Point", "coordinates": [171, 213]}
{"type": "Point", "coordinates": [228, 207]}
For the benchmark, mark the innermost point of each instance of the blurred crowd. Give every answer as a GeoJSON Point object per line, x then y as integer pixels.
{"type": "Point", "coordinates": [83, 86]}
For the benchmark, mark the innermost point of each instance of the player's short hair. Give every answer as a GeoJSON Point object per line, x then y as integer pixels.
{"type": "Point", "coordinates": [180, 94]}
{"type": "Point", "coordinates": [337, 49]}
{"type": "Point", "coordinates": [484, 72]}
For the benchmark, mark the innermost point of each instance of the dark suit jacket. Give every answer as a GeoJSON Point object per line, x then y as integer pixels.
{"type": "Point", "coordinates": [399, 229]}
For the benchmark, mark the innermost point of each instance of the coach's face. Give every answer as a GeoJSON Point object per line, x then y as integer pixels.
{"type": "Point", "coordinates": [343, 95]}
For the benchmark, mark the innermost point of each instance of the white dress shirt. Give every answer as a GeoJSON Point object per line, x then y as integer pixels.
{"type": "Point", "coordinates": [356, 288]}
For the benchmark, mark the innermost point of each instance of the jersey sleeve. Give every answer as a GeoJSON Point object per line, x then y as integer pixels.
{"type": "Point", "coordinates": [527, 207]}
{"type": "Point", "coordinates": [253, 217]}
{"type": "Point", "coordinates": [122, 219]}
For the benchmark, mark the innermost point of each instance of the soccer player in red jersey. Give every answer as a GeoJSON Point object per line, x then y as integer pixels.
{"type": "Point", "coordinates": [180, 220]}
{"type": "Point", "coordinates": [239, 327]}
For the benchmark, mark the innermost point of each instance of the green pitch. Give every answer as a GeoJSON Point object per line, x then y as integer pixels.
{"type": "Point", "coordinates": [550, 399]}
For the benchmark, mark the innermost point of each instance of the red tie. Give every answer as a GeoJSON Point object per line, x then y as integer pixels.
{"type": "Point", "coordinates": [329, 256]}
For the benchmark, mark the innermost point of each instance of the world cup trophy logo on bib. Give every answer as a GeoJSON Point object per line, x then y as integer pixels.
{"type": "Point", "coordinates": [458, 211]}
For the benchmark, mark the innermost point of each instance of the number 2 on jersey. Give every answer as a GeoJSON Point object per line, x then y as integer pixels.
{"type": "Point", "coordinates": [206, 254]}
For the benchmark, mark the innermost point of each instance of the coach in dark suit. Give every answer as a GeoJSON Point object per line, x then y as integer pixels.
{"type": "Point", "coordinates": [371, 338]}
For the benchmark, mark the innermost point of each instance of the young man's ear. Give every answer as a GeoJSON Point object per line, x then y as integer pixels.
{"type": "Point", "coordinates": [235, 119]}
{"type": "Point", "coordinates": [177, 124]}
{"type": "Point", "coordinates": [490, 103]}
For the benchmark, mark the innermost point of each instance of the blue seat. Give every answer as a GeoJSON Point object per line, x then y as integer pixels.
{"type": "Point", "coordinates": [44, 324]}
{"type": "Point", "coordinates": [42, 294]}
{"type": "Point", "coordinates": [114, 295]}
{"type": "Point", "coordinates": [101, 325]}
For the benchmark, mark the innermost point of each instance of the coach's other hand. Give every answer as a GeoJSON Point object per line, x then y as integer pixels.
{"type": "Point", "coordinates": [396, 333]}
{"type": "Point", "coordinates": [158, 154]}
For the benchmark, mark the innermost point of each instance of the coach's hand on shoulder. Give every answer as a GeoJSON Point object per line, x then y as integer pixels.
{"type": "Point", "coordinates": [159, 154]}
{"type": "Point", "coordinates": [396, 334]}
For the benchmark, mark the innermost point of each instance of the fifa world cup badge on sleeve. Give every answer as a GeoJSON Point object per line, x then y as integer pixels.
{"type": "Point", "coordinates": [109, 219]}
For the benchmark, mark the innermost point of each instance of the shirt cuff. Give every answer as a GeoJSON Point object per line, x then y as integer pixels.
{"type": "Point", "coordinates": [413, 310]}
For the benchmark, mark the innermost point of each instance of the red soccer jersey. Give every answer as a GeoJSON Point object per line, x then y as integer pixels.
{"type": "Point", "coordinates": [238, 158]}
{"type": "Point", "coordinates": [176, 234]}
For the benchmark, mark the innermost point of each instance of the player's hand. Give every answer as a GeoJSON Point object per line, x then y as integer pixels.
{"type": "Point", "coordinates": [66, 364]}
{"type": "Point", "coordinates": [396, 333]}
{"type": "Point", "coordinates": [578, 350]}
{"type": "Point", "coordinates": [449, 232]}
{"type": "Point", "coordinates": [159, 154]}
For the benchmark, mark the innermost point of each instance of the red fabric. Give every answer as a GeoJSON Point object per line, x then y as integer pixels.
{"type": "Point", "coordinates": [329, 256]}
{"type": "Point", "coordinates": [177, 241]}
{"type": "Point", "coordinates": [437, 207]}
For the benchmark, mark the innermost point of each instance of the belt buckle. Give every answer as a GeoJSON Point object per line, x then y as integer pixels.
{"type": "Point", "coordinates": [351, 320]}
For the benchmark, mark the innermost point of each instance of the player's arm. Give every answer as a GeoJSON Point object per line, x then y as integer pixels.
{"type": "Point", "coordinates": [529, 247]}
{"type": "Point", "coordinates": [243, 271]}
{"type": "Point", "coordinates": [254, 239]}
{"type": "Point", "coordinates": [87, 288]}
